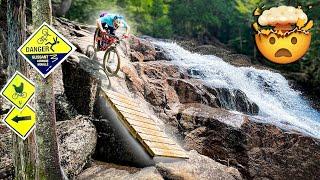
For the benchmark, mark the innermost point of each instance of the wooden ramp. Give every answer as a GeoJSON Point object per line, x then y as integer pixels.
{"type": "Point", "coordinates": [143, 128]}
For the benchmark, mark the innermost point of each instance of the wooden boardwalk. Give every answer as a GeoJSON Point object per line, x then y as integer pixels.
{"type": "Point", "coordinates": [143, 128]}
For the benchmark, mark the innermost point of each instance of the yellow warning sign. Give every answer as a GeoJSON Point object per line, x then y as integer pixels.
{"type": "Point", "coordinates": [45, 49]}
{"type": "Point", "coordinates": [19, 90]}
{"type": "Point", "coordinates": [21, 122]}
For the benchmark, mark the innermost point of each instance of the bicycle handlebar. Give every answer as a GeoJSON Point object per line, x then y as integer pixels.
{"type": "Point", "coordinates": [114, 36]}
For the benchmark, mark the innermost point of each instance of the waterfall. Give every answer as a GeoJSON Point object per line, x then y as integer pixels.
{"type": "Point", "coordinates": [278, 103]}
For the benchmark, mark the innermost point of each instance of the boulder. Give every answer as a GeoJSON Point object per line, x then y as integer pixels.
{"type": "Point", "coordinates": [141, 48]}
{"type": "Point", "coordinates": [233, 99]}
{"type": "Point", "coordinates": [76, 139]}
{"type": "Point", "coordinates": [80, 86]}
{"type": "Point", "coordinates": [161, 54]}
{"type": "Point", "coordinates": [192, 91]}
{"type": "Point", "coordinates": [149, 79]}
{"type": "Point", "coordinates": [197, 167]}
{"type": "Point", "coordinates": [111, 171]}
{"type": "Point", "coordinates": [64, 110]}
{"type": "Point", "coordinates": [256, 149]}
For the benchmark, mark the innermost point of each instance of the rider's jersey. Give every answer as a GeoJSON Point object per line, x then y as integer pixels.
{"type": "Point", "coordinates": [108, 20]}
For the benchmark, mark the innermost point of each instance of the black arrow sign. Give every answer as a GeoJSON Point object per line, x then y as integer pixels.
{"type": "Point", "coordinates": [22, 118]}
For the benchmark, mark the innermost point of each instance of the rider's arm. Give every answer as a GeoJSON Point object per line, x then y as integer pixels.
{"type": "Point", "coordinates": [127, 27]}
{"type": "Point", "coordinates": [99, 25]}
{"type": "Point", "coordinates": [127, 30]}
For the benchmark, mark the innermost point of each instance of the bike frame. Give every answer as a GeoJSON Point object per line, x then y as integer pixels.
{"type": "Point", "coordinates": [112, 40]}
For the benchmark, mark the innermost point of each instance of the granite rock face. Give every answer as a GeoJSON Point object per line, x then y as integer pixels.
{"type": "Point", "coordinates": [257, 149]}
{"type": "Point", "coordinates": [163, 85]}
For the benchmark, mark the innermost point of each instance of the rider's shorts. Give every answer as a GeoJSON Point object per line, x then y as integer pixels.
{"type": "Point", "coordinates": [109, 29]}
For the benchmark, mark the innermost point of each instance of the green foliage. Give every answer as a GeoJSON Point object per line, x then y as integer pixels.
{"type": "Point", "coordinates": [88, 10]}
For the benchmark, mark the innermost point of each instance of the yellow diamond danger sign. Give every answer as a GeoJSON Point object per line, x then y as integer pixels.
{"type": "Point", "coordinates": [46, 49]}
{"type": "Point", "coordinates": [19, 90]}
{"type": "Point", "coordinates": [21, 122]}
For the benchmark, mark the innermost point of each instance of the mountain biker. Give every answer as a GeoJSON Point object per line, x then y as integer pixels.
{"type": "Point", "coordinates": [109, 23]}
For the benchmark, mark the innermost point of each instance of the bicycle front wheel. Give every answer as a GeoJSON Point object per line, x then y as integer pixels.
{"type": "Point", "coordinates": [111, 61]}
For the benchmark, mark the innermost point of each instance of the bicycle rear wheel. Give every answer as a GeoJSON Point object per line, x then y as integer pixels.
{"type": "Point", "coordinates": [111, 61]}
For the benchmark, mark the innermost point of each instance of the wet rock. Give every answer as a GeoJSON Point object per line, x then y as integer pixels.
{"type": "Point", "coordinates": [197, 167]}
{"type": "Point", "coordinates": [191, 91]}
{"type": "Point", "coordinates": [256, 149]}
{"type": "Point", "coordinates": [195, 73]}
{"type": "Point", "coordinates": [234, 99]}
{"type": "Point", "coordinates": [77, 140]}
{"type": "Point", "coordinates": [161, 54]}
{"type": "Point", "coordinates": [143, 48]}
{"type": "Point", "coordinates": [164, 84]}
{"type": "Point", "coordinates": [79, 83]}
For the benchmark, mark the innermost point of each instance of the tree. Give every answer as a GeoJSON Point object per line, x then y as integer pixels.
{"type": "Point", "coordinates": [48, 162]}
{"type": "Point", "coordinates": [24, 152]}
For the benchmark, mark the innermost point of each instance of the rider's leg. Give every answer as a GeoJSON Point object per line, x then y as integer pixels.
{"type": "Point", "coordinates": [100, 43]}
{"type": "Point", "coordinates": [112, 31]}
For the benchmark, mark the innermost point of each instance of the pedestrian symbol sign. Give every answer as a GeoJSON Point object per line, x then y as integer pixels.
{"type": "Point", "coordinates": [19, 90]}
{"type": "Point", "coordinates": [46, 49]}
{"type": "Point", "coordinates": [21, 122]}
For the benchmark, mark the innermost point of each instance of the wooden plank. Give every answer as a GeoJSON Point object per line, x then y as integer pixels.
{"type": "Point", "coordinates": [122, 109]}
{"type": "Point", "coordinates": [140, 119]}
{"type": "Point", "coordinates": [143, 128]}
{"type": "Point", "coordinates": [161, 152]}
{"type": "Point", "coordinates": [119, 95]}
{"type": "Point", "coordinates": [156, 138]}
{"type": "Point", "coordinates": [163, 145]}
{"type": "Point", "coordinates": [136, 117]}
{"type": "Point", "coordinates": [122, 105]}
{"type": "Point", "coordinates": [156, 133]}
{"type": "Point", "coordinates": [127, 101]}
{"type": "Point", "coordinates": [142, 124]}
{"type": "Point", "coordinates": [130, 104]}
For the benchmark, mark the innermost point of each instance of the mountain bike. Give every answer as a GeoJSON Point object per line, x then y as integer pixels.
{"type": "Point", "coordinates": [109, 44]}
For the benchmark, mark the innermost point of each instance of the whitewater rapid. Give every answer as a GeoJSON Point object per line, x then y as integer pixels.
{"type": "Point", "coordinates": [278, 103]}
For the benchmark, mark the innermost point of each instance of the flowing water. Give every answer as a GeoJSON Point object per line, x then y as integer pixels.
{"type": "Point", "coordinates": [278, 103]}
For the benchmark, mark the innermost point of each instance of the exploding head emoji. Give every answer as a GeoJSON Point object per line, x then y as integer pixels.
{"type": "Point", "coordinates": [282, 33]}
